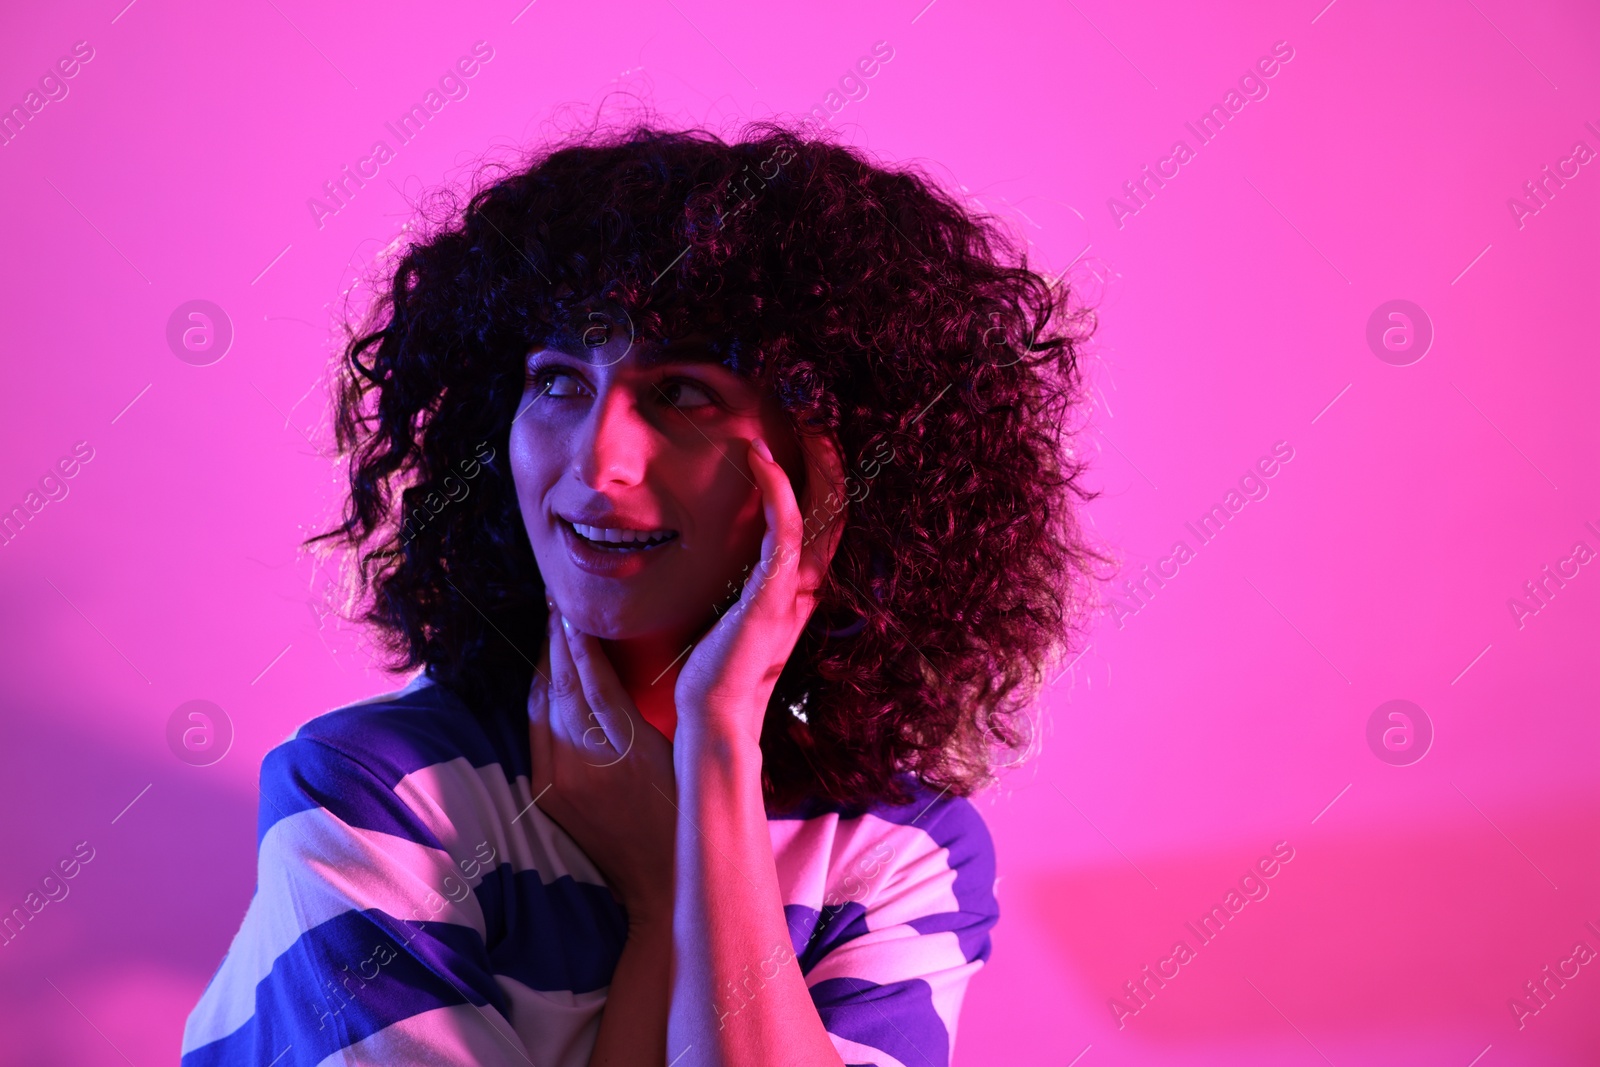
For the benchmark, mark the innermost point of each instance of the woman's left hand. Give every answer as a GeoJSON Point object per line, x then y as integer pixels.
{"type": "Point", "coordinates": [725, 684]}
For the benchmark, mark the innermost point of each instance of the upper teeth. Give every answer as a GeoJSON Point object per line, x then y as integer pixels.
{"type": "Point", "coordinates": [596, 533]}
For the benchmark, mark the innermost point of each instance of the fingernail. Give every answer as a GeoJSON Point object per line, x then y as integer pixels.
{"type": "Point", "coordinates": [762, 450]}
{"type": "Point", "coordinates": [565, 625]}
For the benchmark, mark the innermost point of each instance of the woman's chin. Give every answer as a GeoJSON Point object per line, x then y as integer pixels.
{"type": "Point", "coordinates": [631, 619]}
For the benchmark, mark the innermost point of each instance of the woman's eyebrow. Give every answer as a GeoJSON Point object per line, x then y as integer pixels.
{"type": "Point", "coordinates": [648, 356]}
{"type": "Point", "coordinates": [651, 356]}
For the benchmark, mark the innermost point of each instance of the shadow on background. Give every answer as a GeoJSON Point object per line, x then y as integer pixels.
{"type": "Point", "coordinates": [144, 924]}
{"type": "Point", "coordinates": [1426, 928]}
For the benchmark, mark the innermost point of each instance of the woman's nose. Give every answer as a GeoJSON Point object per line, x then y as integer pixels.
{"type": "Point", "coordinates": [613, 445]}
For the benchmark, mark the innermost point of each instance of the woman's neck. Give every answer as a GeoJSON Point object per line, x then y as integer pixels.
{"type": "Point", "coordinates": [648, 668]}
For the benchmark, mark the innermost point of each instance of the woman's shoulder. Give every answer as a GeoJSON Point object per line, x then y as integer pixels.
{"type": "Point", "coordinates": [376, 743]}
{"type": "Point", "coordinates": [935, 811]}
{"type": "Point", "coordinates": [423, 722]}
{"type": "Point", "coordinates": [934, 829]}
{"type": "Point", "coordinates": [927, 863]}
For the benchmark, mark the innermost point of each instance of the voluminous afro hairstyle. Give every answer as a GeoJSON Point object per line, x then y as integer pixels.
{"type": "Point", "coordinates": [873, 305]}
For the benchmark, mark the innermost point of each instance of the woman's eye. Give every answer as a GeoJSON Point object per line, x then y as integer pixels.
{"type": "Point", "coordinates": [558, 383]}
{"type": "Point", "coordinates": [554, 383]}
{"type": "Point", "coordinates": [684, 394]}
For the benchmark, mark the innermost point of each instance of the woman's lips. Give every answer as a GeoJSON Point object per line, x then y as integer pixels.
{"type": "Point", "coordinates": [611, 560]}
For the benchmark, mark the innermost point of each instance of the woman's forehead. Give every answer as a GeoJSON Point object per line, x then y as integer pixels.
{"type": "Point", "coordinates": [609, 348]}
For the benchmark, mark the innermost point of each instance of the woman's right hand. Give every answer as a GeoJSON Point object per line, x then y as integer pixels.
{"type": "Point", "coordinates": [603, 773]}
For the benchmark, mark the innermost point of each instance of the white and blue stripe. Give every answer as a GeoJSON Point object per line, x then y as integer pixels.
{"type": "Point", "coordinates": [412, 905]}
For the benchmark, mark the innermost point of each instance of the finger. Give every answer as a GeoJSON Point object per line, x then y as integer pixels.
{"type": "Point", "coordinates": [773, 580]}
{"type": "Point", "coordinates": [825, 506]}
{"type": "Point", "coordinates": [568, 709]}
{"type": "Point", "coordinates": [583, 727]}
{"type": "Point", "coordinates": [602, 689]}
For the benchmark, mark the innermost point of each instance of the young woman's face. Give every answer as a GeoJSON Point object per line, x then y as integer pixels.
{"type": "Point", "coordinates": [647, 444]}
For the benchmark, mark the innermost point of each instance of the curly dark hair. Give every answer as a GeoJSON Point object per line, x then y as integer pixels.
{"type": "Point", "coordinates": [873, 305]}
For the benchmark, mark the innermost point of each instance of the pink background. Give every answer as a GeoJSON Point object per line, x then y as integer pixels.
{"type": "Point", "coordinates": [1222, 717]}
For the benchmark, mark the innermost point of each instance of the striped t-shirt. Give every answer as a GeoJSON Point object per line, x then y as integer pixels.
{"type": "Point", "coordinates": [413, 905]}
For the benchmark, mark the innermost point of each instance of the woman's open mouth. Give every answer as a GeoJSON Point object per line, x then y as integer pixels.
{"type": "Point", "coordinates": [613, 540]}
{"type": "Point", "coordinates": [613, 553]}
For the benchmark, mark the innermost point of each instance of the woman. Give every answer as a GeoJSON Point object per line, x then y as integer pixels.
{"type": "Point", "coordinates": [721, 492]}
